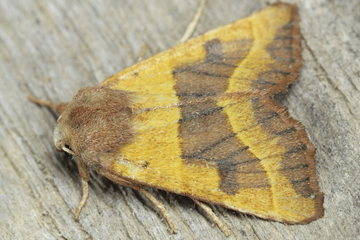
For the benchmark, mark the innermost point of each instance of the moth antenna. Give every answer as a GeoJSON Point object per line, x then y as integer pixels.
{"type": "Point", "coordinates": [59, 108]}
{"type": "Point", "coordinates": [42, 102]}
{"type": "Point", "coordinates": [213, 216]}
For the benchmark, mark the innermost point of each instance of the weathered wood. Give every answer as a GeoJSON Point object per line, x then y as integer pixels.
{"type": "Point", "coordinates": [50, 49]}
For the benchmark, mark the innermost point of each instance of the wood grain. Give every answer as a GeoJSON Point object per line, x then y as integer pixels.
{"type": "Point", "coordinates": [50, 49]}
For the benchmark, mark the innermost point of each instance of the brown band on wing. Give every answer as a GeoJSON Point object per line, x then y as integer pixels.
{"type": "Point", "coordinates": [204, 129]}
{"type": "Point", "coordinates": [294, 164]}
{"type": "Point", "coordinates": [285, 50]}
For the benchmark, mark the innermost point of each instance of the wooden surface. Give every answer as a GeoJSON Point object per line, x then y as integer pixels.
{"type": "Point", "coordinates": [50, 49]}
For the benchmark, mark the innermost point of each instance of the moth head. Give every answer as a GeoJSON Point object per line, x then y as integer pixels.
{"type": "Point", "coordinates": [61, 142]}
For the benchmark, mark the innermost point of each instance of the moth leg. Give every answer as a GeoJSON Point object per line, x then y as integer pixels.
{"type": "Point", "coordinates": [84, 174]}
{"type": "Point", "coordinates": [213, 216]}
{"type": "Point", "coordinates": [142, 53]}
{"type": "Point", "coordinates": [188, 32]}
{"type": "Point", "coordinates": [59, 108]}
{"type": "Point", "coordinates": [140, 188]}
{"type": "Point", "coordinates": [83, 199]}
{"type": "Point", "coordinates": [191, 27]}
{"type": "Point", "coordinates": [161, 207]}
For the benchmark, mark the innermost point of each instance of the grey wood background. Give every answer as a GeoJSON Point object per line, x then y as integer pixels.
{"type": "Point", "coordinates": [50, 49]}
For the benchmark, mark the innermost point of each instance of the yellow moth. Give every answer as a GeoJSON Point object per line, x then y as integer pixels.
{"type": "Point", "coordinates": [200, 120]}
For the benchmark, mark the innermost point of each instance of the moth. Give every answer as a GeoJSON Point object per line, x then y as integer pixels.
{"type": "Point", "coordinates": [200, 120]}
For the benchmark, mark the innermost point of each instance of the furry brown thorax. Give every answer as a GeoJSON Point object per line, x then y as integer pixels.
{"type": "Point", "coordinates": [96, 121]}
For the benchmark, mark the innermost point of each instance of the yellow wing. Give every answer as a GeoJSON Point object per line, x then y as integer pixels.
{"type": "Point", "coordinates": [207, 126]}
